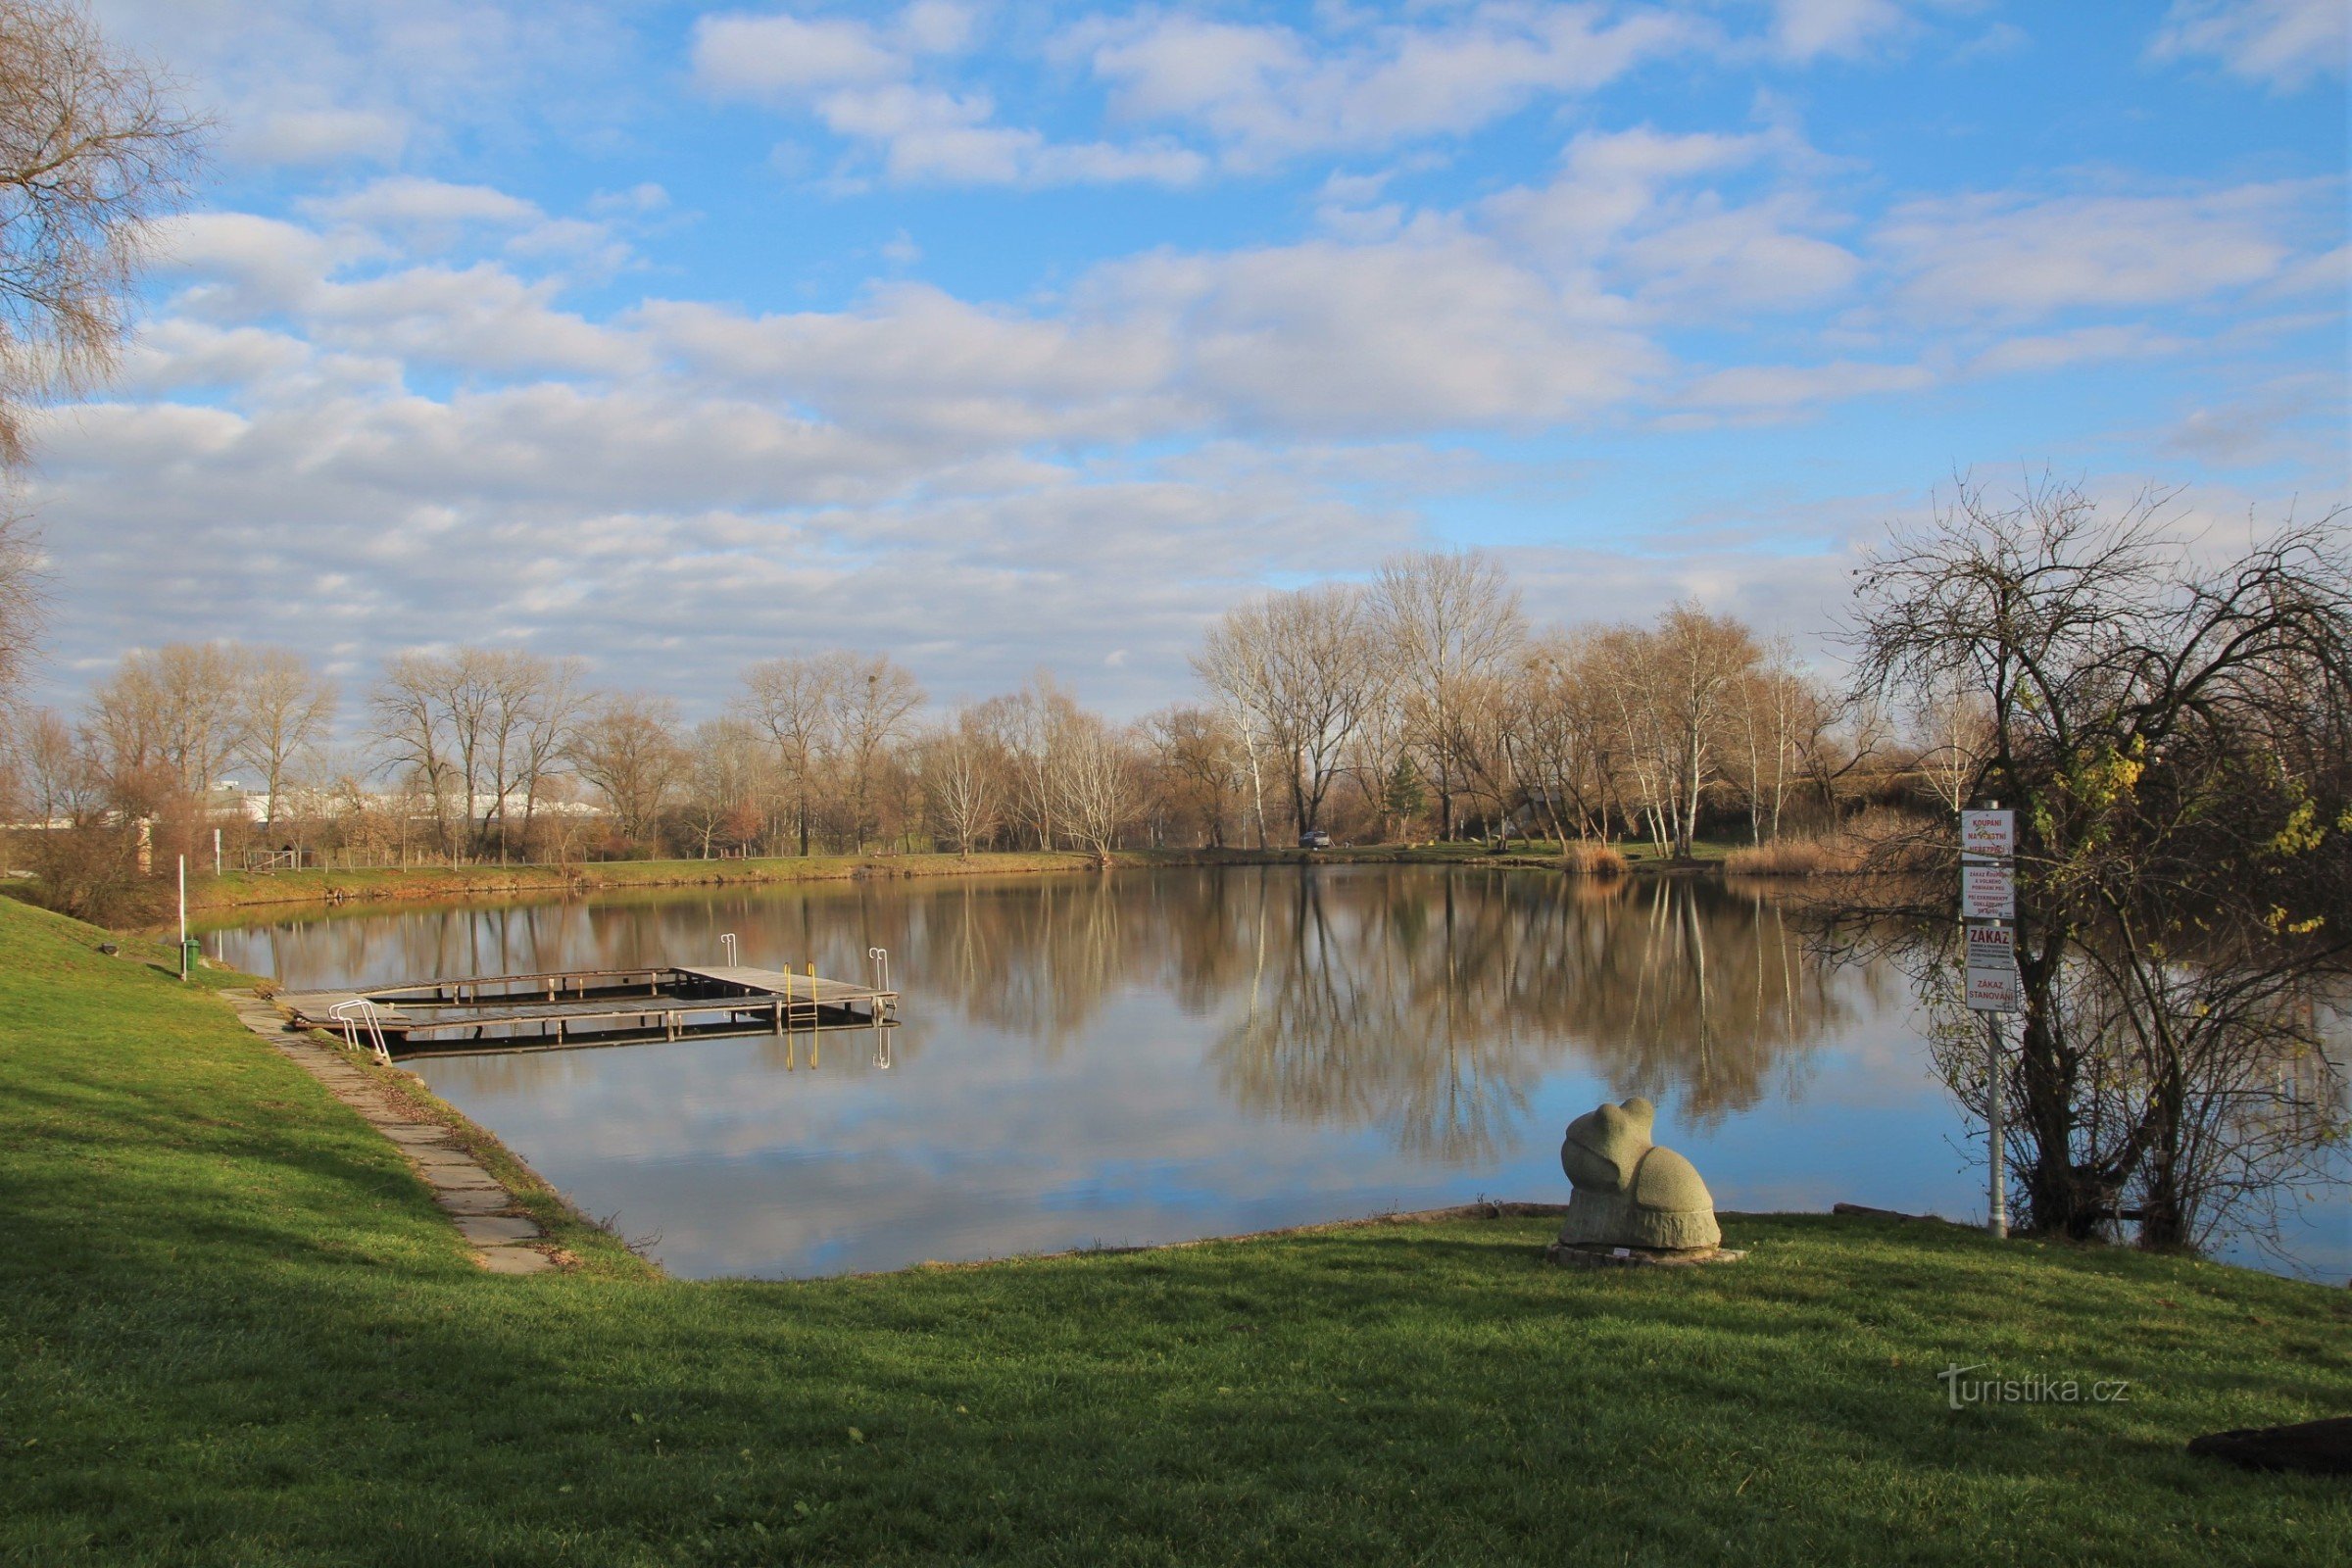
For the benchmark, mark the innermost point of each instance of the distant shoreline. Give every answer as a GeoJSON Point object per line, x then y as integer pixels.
{"type": "Point", "coordinates": [238, 890]}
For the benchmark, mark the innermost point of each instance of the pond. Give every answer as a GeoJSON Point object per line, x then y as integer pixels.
{"type": "Point", "coordinates": [1157, 1055]}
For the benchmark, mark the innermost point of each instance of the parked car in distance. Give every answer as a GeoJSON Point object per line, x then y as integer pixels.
{"type": "Point", "coordinates": [1315, 837]}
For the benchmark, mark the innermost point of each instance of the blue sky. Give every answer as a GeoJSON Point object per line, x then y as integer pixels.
{"type": "Point", "coordinates": [1000, 336]}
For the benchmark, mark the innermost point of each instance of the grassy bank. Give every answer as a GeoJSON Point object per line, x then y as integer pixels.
{"type": "Point", "coordinates": [232, 1329]}
{"type": "Point", "coordinates": [241, 890]}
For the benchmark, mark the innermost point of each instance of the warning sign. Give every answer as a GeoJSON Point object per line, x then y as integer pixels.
{"type": "Point", "coordinates": [1991, 968]}
{"type": "Point", "coordinates": [1988, 835]}
{"type": "Point", "coordinates": [1993, 993]}
{"type": "Point", "coordinates": [1992, 947]}
{"type": "Point", "coordinates": [1988, 893]}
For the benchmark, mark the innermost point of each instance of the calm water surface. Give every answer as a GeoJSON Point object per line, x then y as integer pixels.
{"type": "Point", "coordinates": [1150, 1056]}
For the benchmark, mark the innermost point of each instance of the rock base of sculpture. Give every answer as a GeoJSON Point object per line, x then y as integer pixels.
{"type": "Point", "coordinates": [1616, 1219]}
{"type": "Point", "coordinates": [1576, 1254]}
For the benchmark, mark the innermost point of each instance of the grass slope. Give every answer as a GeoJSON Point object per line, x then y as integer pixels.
{"type": "Point", "coordinates": [232, 1330]}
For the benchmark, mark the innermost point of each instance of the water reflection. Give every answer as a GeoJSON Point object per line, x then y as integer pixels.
{"type": "Point", "coordinates": [1425, 1005]}
{"type": "Point", "coordinates": [1155, 1056]}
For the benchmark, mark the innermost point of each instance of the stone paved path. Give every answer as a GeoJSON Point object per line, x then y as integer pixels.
{"type": "Point", "coordinates": [468, 1193]}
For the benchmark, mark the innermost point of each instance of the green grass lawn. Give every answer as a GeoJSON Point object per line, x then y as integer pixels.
{"type": "Point", "coordinates": [233, 1330]}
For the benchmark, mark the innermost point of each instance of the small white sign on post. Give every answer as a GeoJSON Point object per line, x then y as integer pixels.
{"type": "Point", "coordinates": [1988, 835]}
{"type": "Point", "coordinates": [1988, 893]}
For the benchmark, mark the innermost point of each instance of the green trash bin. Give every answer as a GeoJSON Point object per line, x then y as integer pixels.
{"type": "Point", "coordinates": [191, 953]}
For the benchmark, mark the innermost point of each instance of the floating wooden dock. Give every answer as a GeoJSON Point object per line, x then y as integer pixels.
{"type": "Point", "coordinates": [576, 1007]}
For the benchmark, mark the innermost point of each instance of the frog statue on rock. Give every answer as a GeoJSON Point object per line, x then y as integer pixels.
{"type": "Point", "coordinates": [1629, 1192]}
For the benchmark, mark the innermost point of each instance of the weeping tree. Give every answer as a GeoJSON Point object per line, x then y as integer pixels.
{"type": "Point", "coordinates": [2175, 733]}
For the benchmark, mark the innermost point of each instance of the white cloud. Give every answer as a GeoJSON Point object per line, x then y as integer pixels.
{"type": "Point", "coordinates": [914, 357]}
{"type": "Point", "coordinates": [1432, 329]}
{"type": "Point", "coordinates": [788, 57]}
{"type": "Point", "coordinates": [1780, 390]}
{"type": "Point", "coordinates": [1266, 94]}
{"type": "Point", "coordinates": [1806, 29]}
{"type": "Point", "coordinates": [2084, 345]}
{"type": "Point", "coordinates": [2298, 419]}
{"type": "Point", "coordinates": [1620, 207]}
{"type": "Point", "coordinates": [311, 136]}
{"type": "Point", "coordinates": [2283, 43]}
{"type": "Point", "coordinates": [1723, 260]}
{"type": "Point", "coordinates": [480, 317]}
{"type": "Point", "coordinates": [2014, 254]}
{"type": "Point", "coordinates": [245, 266]}
{"type": "Point", "coordinates": [859, 79]}
{"type": "Point", "coordinates": [374, 81]}
{"type": "Point", "coordinates": [412, 202]}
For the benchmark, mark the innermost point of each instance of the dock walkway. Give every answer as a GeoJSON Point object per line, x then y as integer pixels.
{"type": "Point", "coordinates": [555, 1009]}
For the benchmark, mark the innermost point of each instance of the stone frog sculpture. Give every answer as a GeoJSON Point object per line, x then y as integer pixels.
{"type": "Point", "coordinates": [1629, 1192]}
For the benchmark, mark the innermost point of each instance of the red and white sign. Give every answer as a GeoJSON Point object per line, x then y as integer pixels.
{"type": "Point", "coordinates": [1991, 971]}
{"type": "Point", "coordinates": [1988, 835]}
{"type": "Point", "coordinates": [1993, 993]}
{"type": "Point", "coordinates": [1992, 947]}
{"type": "Point", "coordinates": [1987, 892]}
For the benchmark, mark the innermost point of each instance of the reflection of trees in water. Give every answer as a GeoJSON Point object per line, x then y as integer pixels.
{"type": "Point", "coordinates": [1430, 1006]}
{"type": "Point", "coordinates": [1687, 987]}
{"type": "Point", "coordinates": [1427, 1003]}
{"type": "Point", "coordinates": [1039, 958]}
{"type": "Point", "coordinates": [1353, 1017]}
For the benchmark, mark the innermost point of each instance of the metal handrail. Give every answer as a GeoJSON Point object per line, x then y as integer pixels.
{"type": "Point", "coordinates": [879, 957]}
{"type": "Point", "coordinates": [359, 1012]}
{"type": "Point", "coordinates": [726, 939]}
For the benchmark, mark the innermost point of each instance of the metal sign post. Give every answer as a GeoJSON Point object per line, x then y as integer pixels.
{"type": "Point", "coordinates": [1989, 972]}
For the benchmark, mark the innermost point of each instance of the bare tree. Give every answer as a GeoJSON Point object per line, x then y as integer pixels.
{"type": "Point", "coordinates": [1095, 784]}
{"type": "Point", "coordinates": [794, 702]}
{"type": "Point", "coordinates": [58, 780]}
{"type": "Point", "coordinates": [1557, 735]}
{"type": "Point", "coordinates": [724, 772]}
{"type": "Point", "coordinates": [1033, 728]}
{"type": "Point", "coordinates": [285, 710]}
{"type": "Point", "coordinates": [872, 701]}
{"type": "Point", "coordinates": [2176, 741]}
{"type": "Point", "coordinates": [21, 606]}
{"type": "Point", "coordinates": [1953, 730]}
{"type": "Point", "coordinates": [168, 718]}
{"type": "Point", "coordinates": [960, 767]}
{"type": "Point", "coordinates": [1305, 668]}
{"type": "Point", "coordinates": [92, 149]}
{"type": "Point", "coordinates": [545, 716]}
{"type": "Point", "coordinates": [627, 751]}
{"type": "Point", "coordinates": [412, 729]}
{"type": "Point", "coordinates": [1449, 624]}
{"type": "Point", "coordinates": [1198, 759]}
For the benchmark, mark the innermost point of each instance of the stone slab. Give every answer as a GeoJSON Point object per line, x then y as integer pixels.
{"type": "Point", "coordinates": [454, 1178]}
{"type": "Point", "coordinates": [489, 1230]}
{"type": "Point", "coordinates": [514, 1260]}
{"type": "Point", "coordinates": [491, 1199]}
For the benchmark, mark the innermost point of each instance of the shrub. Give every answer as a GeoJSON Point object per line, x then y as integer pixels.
{"type": "Point", "coordinates": [1592, 858]}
